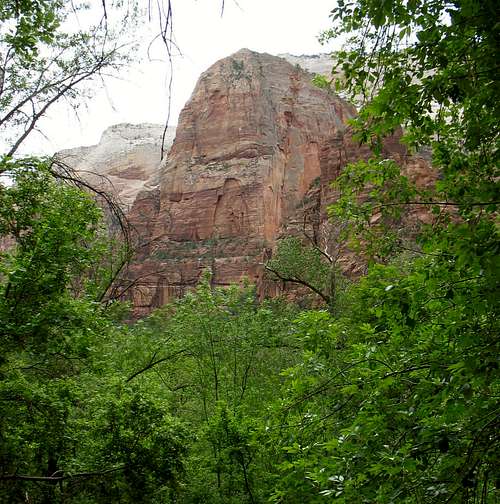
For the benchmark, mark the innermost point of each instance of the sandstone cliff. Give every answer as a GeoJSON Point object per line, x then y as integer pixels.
{"type": "Point", "coordinates": [254, 153]}
{"type": "Point", "coordinates": [315, 63]}
{"type": "Point", "coordinates": [311, 216]}
{"type": "Point", "coordinates": [124, 162]}
{"type": "Point", "coordinates": [246, 151]}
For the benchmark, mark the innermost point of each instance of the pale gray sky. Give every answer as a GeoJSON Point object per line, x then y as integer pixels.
{"type": "Point", "coordinates": [203, 36]}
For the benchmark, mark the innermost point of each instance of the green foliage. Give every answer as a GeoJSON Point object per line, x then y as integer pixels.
{"type": "Point", "coordinates": [430, 67]}
{"type": "Point", "coordinates": [50, 52]}
{"type": "Point", "coordinates": [231, 437]}
{"type": "Point", "coordinates": [295, 261]}
{"type": "Point", "coordinates": [219, 355]}
{"type": "Point", "coordinates": [237, 68]}
{"type": "Point", "coordinates": [396, 397]}
{"type": "Point", "coordinates": [322, 82]}
{"type": "Point", "coordinates": [71, 430]}
{"type": "Point", "coordinates": [32, 22]}
{"type": "Point", "coordinates": [93, 411]}
{"type": "Point", "coordinates": [306, 264]}
{"type": "Point", "coordinates": [373, 197]}
{"type": "Point", "coordinates": [396, 401]}
{"type": "Point", "coordinates": [49, 250]}
{"type": "Point", "coordinates": [389, 396]}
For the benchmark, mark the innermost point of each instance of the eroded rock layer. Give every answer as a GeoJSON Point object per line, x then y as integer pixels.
{"type": "Point", "coordinates": [255, 151]}
{"type": "Point", "coordinates": [311, 219]}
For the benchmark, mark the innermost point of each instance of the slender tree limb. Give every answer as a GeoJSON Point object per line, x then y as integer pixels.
{"type": "Point", "coordinates": [296, 280]}
{"type": "Point", "coordinates": [439, 203]}
{"type": "Point", "coordinates": [153, 363]}
{"type": "Point", "coordinates": [51, 479]}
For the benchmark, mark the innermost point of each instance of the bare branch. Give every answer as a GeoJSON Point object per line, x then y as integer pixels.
{"type": "Point", "coordinates": [153, 363]}
{"type": "Point", "coordinates": [297, 280]}
{"type": "Point", "coordinates": [62, 477]}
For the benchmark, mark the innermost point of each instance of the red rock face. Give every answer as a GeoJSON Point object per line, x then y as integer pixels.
{"type": "Point", "coordinates": [311, 217]}
{"type": "Point", "coordinates": [256, 148]}
{"type": "Point", "coordinates": [247, 148]}
{"type": "Point", "coordinates": [255, 151]}
{"type": "Point", "coordinates": [341, 150]}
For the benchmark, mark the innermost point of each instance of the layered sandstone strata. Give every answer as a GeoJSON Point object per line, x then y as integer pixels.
{"type": "Point", "coordinates": [255, 151]}
{"type": "Point", "coordinates": [311, 218]}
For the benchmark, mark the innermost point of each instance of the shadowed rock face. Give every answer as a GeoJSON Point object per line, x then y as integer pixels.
{"type": "Point", "coordinates": [246, 150]}
{"type": "Point", "coordinates": [311, 216]}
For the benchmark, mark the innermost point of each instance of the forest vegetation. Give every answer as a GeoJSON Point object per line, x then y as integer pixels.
{"type": "Point", "coordinates": [387, 394]}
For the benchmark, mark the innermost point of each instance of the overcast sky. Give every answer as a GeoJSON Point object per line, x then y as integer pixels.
{"type": "Point", "coordinates": [203, 36]}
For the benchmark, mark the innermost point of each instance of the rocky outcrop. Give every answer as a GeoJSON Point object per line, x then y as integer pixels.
{"type": "Point", "coordinates": [246, 151]}
{"type": "Point", "coordinates": [311, 217]}
{"type": "Point", "coordinates": [124, 162]}
{"type": "Point", "coordinates": [341, 150]}
{"type": "Point", "coordinates": [314, 63]}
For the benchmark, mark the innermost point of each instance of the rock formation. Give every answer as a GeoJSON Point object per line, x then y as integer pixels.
{"type": "Point", "coordinates": [124, 162]}
{"type": "Point", "coordinates": [311, 217]}
{"type": "Point", "coordinates": [314, 63]}
{"type": "Point", "coordinates": [254, 153]}
{"type": "Point", "coordinates": [246, 151]}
